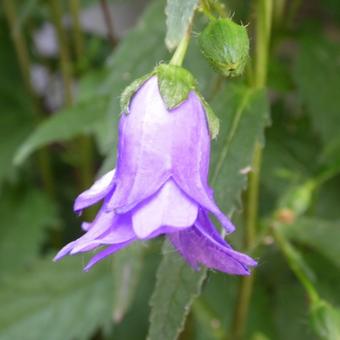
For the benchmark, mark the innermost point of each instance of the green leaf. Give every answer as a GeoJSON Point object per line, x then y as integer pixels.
{"type": "Point", "coordinates": [325, 320]}
{"type": "Point", "coordinates": [177, 285]}
{"type": "Point", "coordinates": [316, 66]}
{"type": "Point", "coordinates": [24, 222]}
{"type": "Point", "coordinates": [126, 273]}
{"type": "Point", "coordinates": [130, 91]}
{"type": "Point", "coordinates": [175, 84]}
{"type": "Point", "coordinates": [179, 15]}
{"type": "Point", "coordinates": [63, 126]}
{"type": "Point", "coordinates": [17, 117]}
{"type": "Point", "coordinates": [321, 235]}
{"type": "Point", "coordinates": [213, 121]}
{"type": "Point", "coordinates": [244, 114]}
{"type": "Point", "coordinates": [56, 301]}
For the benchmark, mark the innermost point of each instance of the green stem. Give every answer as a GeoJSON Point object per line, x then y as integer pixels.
{"type": "Point", "coordinates": [181, 50]}
{"type": "Point", "coordinates": [65, 63]}
{"type": "Point", "coordinates": [83, 144]}
{"type": "Point", "coordinates": [295, 263]}
{"type": "Point", "coordinates": [25, 67]}
{"type": "Point", "coordinates": [263, 9]}
{"type": "Point", "coordinates": [76, 28]}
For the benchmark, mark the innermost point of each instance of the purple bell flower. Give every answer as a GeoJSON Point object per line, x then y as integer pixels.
{"type": "Point", "coordinates": [160, 186]}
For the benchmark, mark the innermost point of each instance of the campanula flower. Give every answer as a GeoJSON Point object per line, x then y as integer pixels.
{"type": "Point", "coordinates": [160, 186]}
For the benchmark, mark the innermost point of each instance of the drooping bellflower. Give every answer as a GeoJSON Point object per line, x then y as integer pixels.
{"type": "Point", "coordinates": [160, 184]}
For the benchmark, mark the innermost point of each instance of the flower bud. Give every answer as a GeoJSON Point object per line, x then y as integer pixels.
{"type": "Point", "coordinates": [226, 46]}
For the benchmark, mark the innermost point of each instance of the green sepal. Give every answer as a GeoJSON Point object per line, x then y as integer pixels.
{"type": "Point", "coordinates": [175, 84]}
{"type": "Point", "coordinates": [225, 45]}
{"type": "Point", "coordinates": [213, 121]}
{"type": "Point", "coordinates": [130, 90]}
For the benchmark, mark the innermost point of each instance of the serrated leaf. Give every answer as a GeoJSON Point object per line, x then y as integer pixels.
{"type": "Point", "coordinates": [55, 301]}
{"type": "Point", "coordinates": [179, 15]}
{"type": "Point", "coordinates": [321, 235]}
{"type": "Point", "coordinates": [177, 285]}
{"type": "Point", "coordinates": [126, 272]}
{"type": "Point", "coordinates": [175, 84]}
{"type": "Point", "coordinates": [244, 114]}
{"type": "Point", "coordinates": [24, 222]}
{"type": "Point", "coordinates": [63, 126]}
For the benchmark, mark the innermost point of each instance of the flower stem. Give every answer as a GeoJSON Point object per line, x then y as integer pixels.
{"type": "Point", "coordinates": [25, 67]}
{"type": "Point", "coordinates": [295, 262]}
{"type": "Point", "coordinates": [65, 63]}
{"type": "Point", "coordinates": [181, 50]}
{"type": "Point", "coordinates": [263, 9]}
{"type": "Point", "coordinates": [76, 28]}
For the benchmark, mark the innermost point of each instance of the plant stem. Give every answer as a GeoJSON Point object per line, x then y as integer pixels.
{"type": "Point", "coordinates": [108, 21]}
{"type": "Point", "coordinates": [25, 67]}
{"type": "Point", "coordinates": [181, 50]}
{"type": "Point", "coordinates": [263, 9]}
{"type": "Point", "coordinates": [295, 262]}
{"type": "Point", "coordinates": [76, 27]}
{"type": "Point", "coordinates": [65, 63]}
{"type": "Point", "coordinates": [83, 143]}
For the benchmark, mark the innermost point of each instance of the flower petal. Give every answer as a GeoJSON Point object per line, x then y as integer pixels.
{"type": "Point", "coordinates": [199, 246]}
{"type": "Point", "coordinates": [104, 253]}
{"type": "Point", "coordinates": [144, 157]}
{"type": "Point", "coordinates": [169, 209]}
{"type": "Point", "coordinates": [96, 192]}
{"type": "Point", "coordinates": [120, 231]}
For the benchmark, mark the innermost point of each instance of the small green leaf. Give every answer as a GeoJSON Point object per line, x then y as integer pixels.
{"type": "Point", "coordinates": [126, 273]}
{"type": "Point", "coordinates": [176, 288]}
{"type": "Point", "coordinates": [213, 121]}
{"type": "Point", "coordinates": [179, 15]}
{"type": "Point", "coordinates": [175, 84]}
{"type": "Point", "coordinates": [130, 91]}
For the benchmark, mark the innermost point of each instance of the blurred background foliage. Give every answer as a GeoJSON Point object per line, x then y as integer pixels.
{"type": "Point", "coordinates": [63, 65]}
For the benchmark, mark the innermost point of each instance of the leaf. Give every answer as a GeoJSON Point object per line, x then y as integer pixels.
{"type": "Point", "coordinates": [175, 83]}
{"type": "Point", "coordinates": [321, 235]}
{"type": "Point", "coordinates": [126, 273]}
{"type": "Point", "coordinates": [17, 117]}
{"type": "Point", "coordinates": [244, 114]}
{"type": "Point", "coordinates": [325, 320]}
{"type": "Point", "coordinates": [177, 285]}
{"type": "Point", "coordinates": [63, 126]}
{"type": "Point", "coordinates": [57, 301]}
{"type": "Point", "coordinates": [130, 91]}
{"type": "Point", "coordinates": [317, 64]}
{"type": "Point", "coordinates": [24, 222]}
{"type": "Point", "coordinates": [179, 15]}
